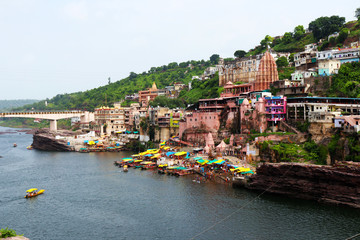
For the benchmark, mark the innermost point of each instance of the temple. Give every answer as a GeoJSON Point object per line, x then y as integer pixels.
{"type": "Point", "coordinates": [267, 73]}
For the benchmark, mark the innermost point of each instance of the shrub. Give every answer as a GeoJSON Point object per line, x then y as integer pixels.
{"type": "Point", "coordinates": [7, 232]}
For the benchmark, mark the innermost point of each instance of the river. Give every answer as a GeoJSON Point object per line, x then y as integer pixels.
{"type": "Point", "coordinates": [87, 197]}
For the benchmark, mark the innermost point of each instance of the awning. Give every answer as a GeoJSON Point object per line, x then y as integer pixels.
{"type": "Point", "coordinates": [32, 189]}
{"type": "Point", "coordinates": [180, 153]}
{"type": "Point", "coordinates": [155, 156]}
{"type": "Point", "coordinates": [169, 153]}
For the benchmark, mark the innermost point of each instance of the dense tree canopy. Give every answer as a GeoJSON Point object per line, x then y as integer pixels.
{"type": "Point", "coordinates": [324, 26]}
{"type": "Point", "coordinates": [347, 82]}
{"type": "Point", "coordinates": [282, 62]}
{"type": "Point", "coordinates": [266, 41]}
{"type": "Point", "coordinates": [215, 58]}
{"type": "Point", "coordinates": [357, 13]}
{"type": "Point", "coordinates": [299, 31]}
{"type": "Point", "coordinates": [239, 53]}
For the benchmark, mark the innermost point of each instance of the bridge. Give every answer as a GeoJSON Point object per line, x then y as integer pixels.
{"type": "Point", "coordinates": [84, 116]}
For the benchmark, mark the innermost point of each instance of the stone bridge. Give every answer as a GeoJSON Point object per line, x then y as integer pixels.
{"type": "Point", "coordinates": [52, 116]}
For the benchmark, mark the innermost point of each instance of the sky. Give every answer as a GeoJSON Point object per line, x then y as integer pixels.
{"type": "Point", "coordinates": [56, 47]}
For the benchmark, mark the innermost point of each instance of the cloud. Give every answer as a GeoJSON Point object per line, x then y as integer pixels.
{"type": "Point", "coordinates": [77, 10]}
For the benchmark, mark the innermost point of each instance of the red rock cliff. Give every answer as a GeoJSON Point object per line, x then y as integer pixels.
{"type": "Point", "coordinates": [336, 185]}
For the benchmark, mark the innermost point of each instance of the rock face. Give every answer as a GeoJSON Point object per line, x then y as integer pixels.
{"type": "Point", "coordinates": [44, 140]}
{"type": "Point", "coordinates": [337, 185]}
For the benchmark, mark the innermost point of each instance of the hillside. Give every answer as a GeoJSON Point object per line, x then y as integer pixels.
{"type": "Point", "coordinates": [113, 92]}
{"type": "Point", "coordinates": [8, 104]}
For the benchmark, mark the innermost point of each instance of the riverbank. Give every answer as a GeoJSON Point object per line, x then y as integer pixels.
{"type": "Point", "coordinates": [339, 185]}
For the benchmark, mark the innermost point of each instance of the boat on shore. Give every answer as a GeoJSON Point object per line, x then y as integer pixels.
{"type": "Point", "coordinates": [33, 192]}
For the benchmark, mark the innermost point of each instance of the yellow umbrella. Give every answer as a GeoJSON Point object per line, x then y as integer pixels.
{"type": "Point", "coordinates": [146, 163]}
{"type": "Point", "coordinates": [180, 153]}
{"type": "Point", "coordinates": [32, 189]}
{"type": "Point", "coordinates": [156, 156]}
{"type": "Point", "coordinates": [91, 142]}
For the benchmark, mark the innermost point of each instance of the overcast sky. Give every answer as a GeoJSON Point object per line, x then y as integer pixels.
{"type": "Point", "coordinates": [50, 47]}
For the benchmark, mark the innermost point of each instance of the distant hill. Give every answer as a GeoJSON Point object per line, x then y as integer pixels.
{"type": "Point", "coordinates": [9, 104]}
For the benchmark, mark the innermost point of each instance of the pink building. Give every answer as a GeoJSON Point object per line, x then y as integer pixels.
{"type": "Point", "coordinates": [275, 108]}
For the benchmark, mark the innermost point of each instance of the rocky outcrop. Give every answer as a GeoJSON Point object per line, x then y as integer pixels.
{"type": "Point", "coordinates": [45, 140]}
{"type": "Point", "coordinates": [337, 185]}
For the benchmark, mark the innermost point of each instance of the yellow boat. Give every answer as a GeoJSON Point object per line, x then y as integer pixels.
{"type": "Point", "coordinates": [33, 192]}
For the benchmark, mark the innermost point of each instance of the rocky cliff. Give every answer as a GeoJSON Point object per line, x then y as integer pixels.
{"type": "Point", "coordinates": [44, 140]}
{"type": "Point", "coordinates": [337, 185]}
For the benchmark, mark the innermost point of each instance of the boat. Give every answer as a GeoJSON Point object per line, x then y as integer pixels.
{"type": "Point", "coordinates": [125, 169]}
{"type": "Point", "coordinates": [33, 192]}
{"type": "Point", "coordinates": [29, 147]}
{"type": "Point", "coordinates": [15, 145]}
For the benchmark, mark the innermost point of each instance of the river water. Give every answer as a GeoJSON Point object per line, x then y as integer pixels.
{"type": "Point", "coordinates": [87, 197]}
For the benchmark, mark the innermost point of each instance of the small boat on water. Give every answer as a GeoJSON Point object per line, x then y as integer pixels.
{"type": "Point", "coordinates": [33, 192]}
{"type": "Point", "coordinates": [29, 147]}
{"type": "Point", "coordinates": [15, 145]}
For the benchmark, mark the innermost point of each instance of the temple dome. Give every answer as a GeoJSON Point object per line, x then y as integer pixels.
{"type": "Point", "coordinates": [267, 73]}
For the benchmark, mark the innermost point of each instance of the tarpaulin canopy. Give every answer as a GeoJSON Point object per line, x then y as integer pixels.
{"type": "Point", "coordinates": [148, 155]}
{"type": "Point", "coordinates": [166, 148]}
{"type": "Point", "coordinates": [127, 159]}
{"type": "Point", "coordinates": [138, 161]}
{"type": "Point", "coordinates": [180, 153]}
{"type": "Point", "coordinates": [86, 141]}
{"type": "Point", "coordinates": [155, 156]}
{"type": "Point", "coordinates": [31, 190]}
{"type": "Point", "coordinates": [136, 155]}
{"type": "Point", "coordinates": [197, 158]}
{"type": "Point", "coordinates": [147, 162]}
{"type": "Point", "coordinates": [169, 153]}
{"type": "Point", "coordinates": [247, 172]}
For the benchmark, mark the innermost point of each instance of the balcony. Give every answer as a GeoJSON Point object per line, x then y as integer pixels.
{"type": "Point", "coordinates": [275, 119]}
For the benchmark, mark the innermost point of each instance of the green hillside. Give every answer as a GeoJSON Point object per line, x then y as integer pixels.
{"type": "Point", "coordinates": [106, 95]}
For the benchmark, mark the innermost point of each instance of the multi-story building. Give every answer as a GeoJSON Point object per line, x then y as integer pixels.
{"type": "Point", "coordinates": [291, 88]}
{"type": "Point", "coordinates": [240, 70]}
{"type": "Point", "coordinates": [109, 120]}
{"type": "Point", "coordinates": [347, 55]}
{"type": "Point", "coordinates": [275, 108]}
{"type": "Point", "coordinates": [327, 63]}
{"type": "Point", "coordinates": [305, 60]}
{"type": "Point", "coordinates": [317, 109]}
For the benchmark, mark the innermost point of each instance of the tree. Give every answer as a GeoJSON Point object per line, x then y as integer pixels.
{"type": "Point", "coordinates": [266, 41]}
{"type": "Point", "coordinates": [132, 75]}
{"type": "Point", "coordinates": [357, 13]}
{"type": "Point", "coordinates": [239, 53]}
{"type": "Point", "coordinates": [299, 31]}
{"type": "Point", "coordinates": [215, 58]}
{"type": "Point", "coordinates": [282, 62]}
{"type": "Point", "coordinates": [291, 57]}
{"type": "Point", "coordinates": [287, 38]}
{"type": "Point", "coordinates": [324, 26]}
{"type": "Point", "coordinates": [342, 35]}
